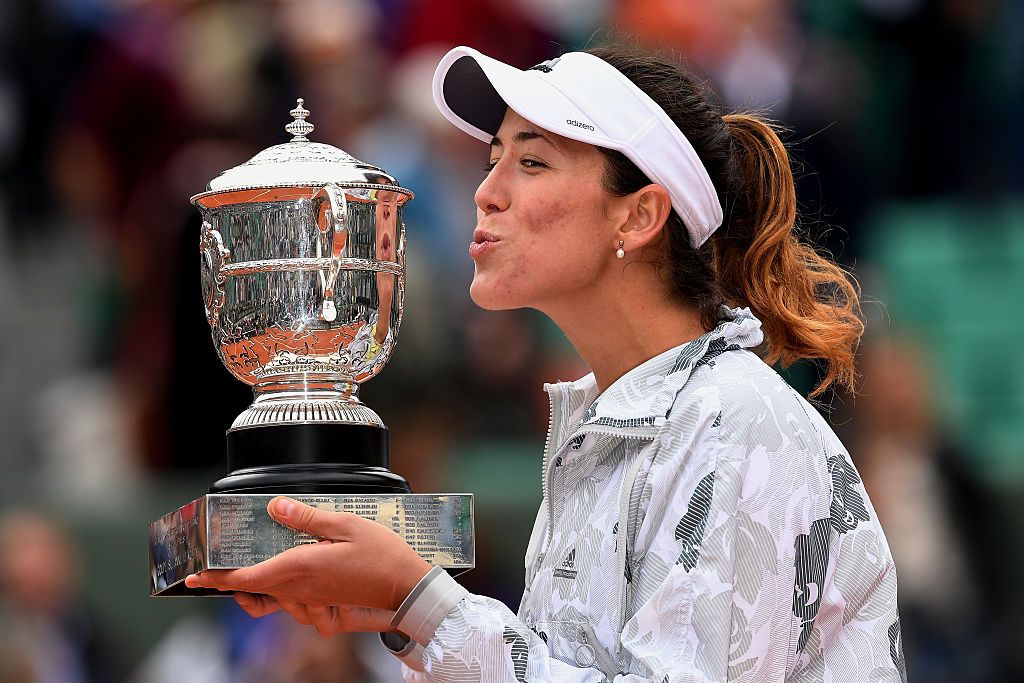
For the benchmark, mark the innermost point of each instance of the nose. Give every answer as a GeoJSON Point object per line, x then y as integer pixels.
{"type": "Point", "coordinates": [492, 194]}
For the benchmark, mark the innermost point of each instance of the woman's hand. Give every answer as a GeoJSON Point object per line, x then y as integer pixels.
{"type": "Point", "coordinates": [360, 563]}
{"type": "Point", "coordinates": [328, 621]}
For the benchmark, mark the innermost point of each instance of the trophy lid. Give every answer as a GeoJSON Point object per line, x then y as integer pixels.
{"type": "Point", "coordinates": [297, 163]}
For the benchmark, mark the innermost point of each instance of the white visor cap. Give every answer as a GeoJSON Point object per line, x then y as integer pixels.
{"type": "Point", "coordinates": [582, 97]}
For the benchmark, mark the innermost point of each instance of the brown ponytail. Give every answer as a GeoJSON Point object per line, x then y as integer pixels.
{"type": "Point", "coordinates": [809, 306]}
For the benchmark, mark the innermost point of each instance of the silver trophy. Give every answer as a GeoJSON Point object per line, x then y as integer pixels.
{"type": "Point", "coordinates": [303, 276]}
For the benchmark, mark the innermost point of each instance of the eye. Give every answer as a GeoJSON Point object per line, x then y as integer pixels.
{"type": "Point", "coordinates": [489, 166]}
{"type": "Point", "coordinates": [532, 163]}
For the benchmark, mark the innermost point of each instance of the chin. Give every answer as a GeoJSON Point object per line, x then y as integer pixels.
{"type": "Point", "coordinates": [488, 303]}
{"type": "Point", "coordinates": [491, 298]}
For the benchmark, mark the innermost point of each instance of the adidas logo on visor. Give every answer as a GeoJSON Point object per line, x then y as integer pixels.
{"type": "Point", "coordinates": [547, 66]}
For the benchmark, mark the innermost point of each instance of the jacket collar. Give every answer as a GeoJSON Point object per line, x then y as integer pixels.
{"type": "Point", "coordinates": [640, 400]}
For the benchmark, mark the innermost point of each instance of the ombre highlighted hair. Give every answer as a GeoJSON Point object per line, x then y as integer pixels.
{"type": "Point", "coordinates": [809, 306]}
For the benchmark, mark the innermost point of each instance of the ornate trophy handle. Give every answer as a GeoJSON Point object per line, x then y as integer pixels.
{"type": "Point", "coordinates": [215, 256]}
{"type": "Point", "coordinates": [336, 221]}
{"type": "Point", "coordinates": [400, 284]}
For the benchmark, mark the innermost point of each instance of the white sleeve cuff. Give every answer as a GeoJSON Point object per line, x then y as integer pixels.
{"type": "Point", "coordinates": [433, 598]}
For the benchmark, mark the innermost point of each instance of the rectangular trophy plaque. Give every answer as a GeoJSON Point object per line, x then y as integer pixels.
{"type": "Point", "coordinates": [229, 530]}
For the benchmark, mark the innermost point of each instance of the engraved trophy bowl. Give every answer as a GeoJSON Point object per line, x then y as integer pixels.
{"type": "Point", "coordinates": [303, 265]}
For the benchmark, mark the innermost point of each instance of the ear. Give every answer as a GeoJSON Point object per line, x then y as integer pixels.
{"type": "Point", "coordinates": [649, 209]}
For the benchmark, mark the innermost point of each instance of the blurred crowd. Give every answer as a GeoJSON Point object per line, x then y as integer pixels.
{"type": "Point", "coordinates": [904, 120]}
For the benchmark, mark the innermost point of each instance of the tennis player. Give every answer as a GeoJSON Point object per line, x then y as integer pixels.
{"type": "Point", "coordinates": [700, 520]}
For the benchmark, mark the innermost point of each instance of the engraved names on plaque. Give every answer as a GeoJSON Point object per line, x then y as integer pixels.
{"type": "Point", "coordinates": [241, 533]}
{"type": "Point", "coordinates": [228, 531]}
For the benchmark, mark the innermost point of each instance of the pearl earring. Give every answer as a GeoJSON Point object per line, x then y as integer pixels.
{"type": "Point", "coordinates": [621, 253]}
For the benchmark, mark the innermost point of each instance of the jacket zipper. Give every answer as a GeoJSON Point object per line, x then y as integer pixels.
{"type": "Point", "coordinates": [544, 475]}
{"type": "Point", "coordinates": [623, 533]}
{"type": "Point", "coordinates": [589, 638]}
{"type": "Point", "coordinates": [548, 459]}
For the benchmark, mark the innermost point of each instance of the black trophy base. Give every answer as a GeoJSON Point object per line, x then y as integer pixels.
{"type": "Point", "coordinates": [309, 459]}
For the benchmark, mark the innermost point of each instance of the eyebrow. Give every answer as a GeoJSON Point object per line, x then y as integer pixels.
{"type": "Point", "coordinates": [524, 136]}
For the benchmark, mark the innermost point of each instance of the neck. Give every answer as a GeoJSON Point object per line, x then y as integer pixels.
{"type": "Point", "coordinates": [617, 329]}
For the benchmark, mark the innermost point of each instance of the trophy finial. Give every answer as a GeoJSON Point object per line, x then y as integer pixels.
{"type": "Point", "coordinates": [300, 127]}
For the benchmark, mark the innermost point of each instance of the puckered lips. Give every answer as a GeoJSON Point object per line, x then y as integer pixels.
{"type": "Point", "coordinates": [483, 242]}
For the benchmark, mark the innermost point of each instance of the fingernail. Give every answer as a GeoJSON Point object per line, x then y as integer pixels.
{"type": "Point", "coordinates": [193, 581]}
{"type": "Point", "coordinates": [283, 507]}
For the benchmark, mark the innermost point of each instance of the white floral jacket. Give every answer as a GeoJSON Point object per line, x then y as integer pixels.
{"type": "Point", "coordinates": [700, 522]}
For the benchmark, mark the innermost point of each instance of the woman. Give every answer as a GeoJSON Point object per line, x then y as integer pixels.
{"type": "Point", "coordinates": [700, 521]}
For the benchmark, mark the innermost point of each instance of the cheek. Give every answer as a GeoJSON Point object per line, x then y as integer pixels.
{"type": "Point", "coordinates": [565, 218]}
{"type": "Point", "coordinates": [564, 234]}
{"type": "Point", "coordinates": [574, 221]}
{"type": "Point", "coordinates": [542, 214]}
